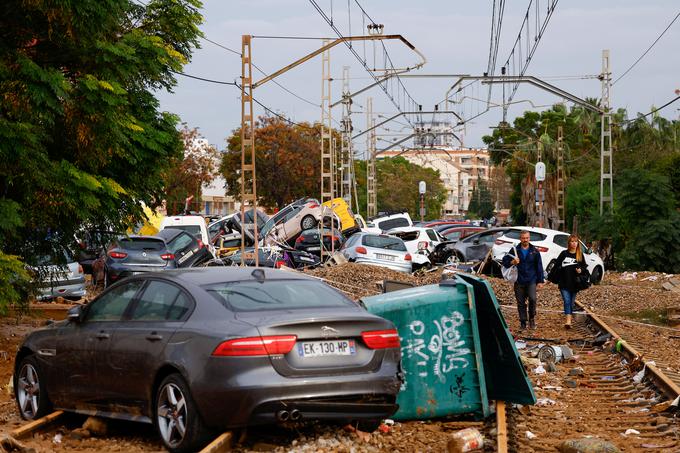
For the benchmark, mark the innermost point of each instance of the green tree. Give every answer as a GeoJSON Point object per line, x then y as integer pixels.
{"type": "Point", "coordinates": [288, 161]}
{"type": "Point", "coordinates": [481, 203]}
{"type": "Point", "coordinates": [82, 141]}
{"type": "Point", "coordinates": [397, 184]}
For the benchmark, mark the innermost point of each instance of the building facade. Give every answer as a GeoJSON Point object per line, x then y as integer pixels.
{"type": "Point", "coordinates": [460, 170]}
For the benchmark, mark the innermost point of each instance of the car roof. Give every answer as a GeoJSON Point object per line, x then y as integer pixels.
{"type": "Point", "coordinates": [225, 274]}
{"type": "Point", "coordinates": [169, 233]}
{"type": "Point", "coordinates": [407, 229]}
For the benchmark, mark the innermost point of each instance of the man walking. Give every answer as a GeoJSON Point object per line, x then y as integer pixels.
{"type": "Point", "coordinates": [529, 276]}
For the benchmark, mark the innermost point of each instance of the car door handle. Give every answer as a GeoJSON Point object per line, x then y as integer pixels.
{"type": "Point", "coordinates": [103, 336]}
{"type": "Point", "coordinates": [154, 337]}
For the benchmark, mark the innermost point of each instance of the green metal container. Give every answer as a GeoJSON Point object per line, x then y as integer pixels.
{"type": "Point", "coordinates": [454, 360]}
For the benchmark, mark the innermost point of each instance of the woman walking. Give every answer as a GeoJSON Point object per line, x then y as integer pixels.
{"type": "Point", "coordinates": [569, 273]}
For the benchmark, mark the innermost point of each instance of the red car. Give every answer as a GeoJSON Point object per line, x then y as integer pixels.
{"type": "Point", "coordinates": [458, 232]}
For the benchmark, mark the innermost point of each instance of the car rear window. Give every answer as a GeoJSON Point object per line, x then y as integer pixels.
{"type": "Point", "coordinates": [384, 242]}
{"type": "Point", "coordinates": [393, 223]}
{"type": "Point", "coordinates": [533, 236]}
{"type": "Point", "coordinates": [276, 295]}
{"type": "Point", "coordinates": [407, 235]}
{"type": "Point", "coordinates": [191, 229]}
{"type": "Point", "coordinates": [141, 244]}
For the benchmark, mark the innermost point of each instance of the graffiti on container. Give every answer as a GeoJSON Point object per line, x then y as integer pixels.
{"type": "Point", "coordinates": [439, 351]}
{"type": "Point", "coordinates": [459, 387]}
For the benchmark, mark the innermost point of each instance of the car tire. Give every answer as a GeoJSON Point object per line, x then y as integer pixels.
{"type": "Point", "coordinates": [452, 258]}
{"type": "Point", "coordinates": [174, 409]}
{"type": "Point", "coordinates": [368, 426]}
{"type": "Point", "coordinates": [30, 390]}
{"type": "Point", "coordinates": [549, 267]}
{"type": "Point", "coordinates": [596, 276]}
{"type": "Point", "coordinates": [308, 222]}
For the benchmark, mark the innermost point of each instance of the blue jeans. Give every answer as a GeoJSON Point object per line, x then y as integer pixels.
{"type": "Point", "coordinates": [568, 298]}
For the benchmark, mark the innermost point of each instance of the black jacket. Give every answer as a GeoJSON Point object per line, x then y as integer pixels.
{"type": "Point", "coordinates": [564, 272]}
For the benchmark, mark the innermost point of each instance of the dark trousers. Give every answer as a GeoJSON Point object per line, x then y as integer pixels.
{"type": "Point", "coordinates": [522, 293]}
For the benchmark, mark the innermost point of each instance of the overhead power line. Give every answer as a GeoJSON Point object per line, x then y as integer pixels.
{"type": "Point", "coordinates": [220, 82]}
{"type": "Point", "coordinates": [651, 111]}
{"type": "Point", "coordinates": [648, 49]}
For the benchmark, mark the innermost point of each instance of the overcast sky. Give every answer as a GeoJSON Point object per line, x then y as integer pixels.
{"type": "Point", "coordinates": [454, 36]}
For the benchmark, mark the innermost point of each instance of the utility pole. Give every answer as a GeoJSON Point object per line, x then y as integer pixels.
{"type": "Point", "coordinates": [346, 152]}
{"type": "Point", "coordinates": [327, 164]}
{"type": "Point", "coordinates": [606, 166]}
{"type": "Point", "coordinates": [248, 194]}
{"type": "Point", "coordinates": [371, 195]}
{"type": "Point", "coordinates": [561, 201]}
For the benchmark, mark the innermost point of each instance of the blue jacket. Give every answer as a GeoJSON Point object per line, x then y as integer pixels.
{"type": "Point", "coordinates": [529, 270]}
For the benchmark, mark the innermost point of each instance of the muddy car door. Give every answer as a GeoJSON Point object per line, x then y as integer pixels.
{"type": "Point", "coordinates": [82, 348]}
{"type": "Point", "coordinates": [138, 344]}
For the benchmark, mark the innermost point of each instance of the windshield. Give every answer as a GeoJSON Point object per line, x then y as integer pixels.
{"type": "Point", "coordinates": [276, 295]}
{"type": "Point", "coordinates": [141, 244]}
{"type": "Point", "coordinates": [384, 242]}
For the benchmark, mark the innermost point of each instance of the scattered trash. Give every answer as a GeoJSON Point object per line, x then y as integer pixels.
{"type": "Point", "coordinates": [539, 370]}
{"type": "Point", "coordinates": [57, 438]}
{"type": "Point", "coordinates": [383, 428]}
{"type": "Point", "coordinates": [388, 422]}
{"type": "Point", "coordinates": [550, 354]}
{"type": "Point", "coordinates": [630, 431]}
{"type": "Point", "coordinates": [571, 383]}
{"type": "Point", "coordinates": [663, 406]}
{"type": "Point", "coordinates": [651, 278]}
{"type": "Point", "coordinates": [550, 367]}
{"type": "Point", "coordinates": [587, 445]}
{"type": "Point", "coordinates": [520, 344]}
{"type": "Point", "coordinates": [629, 276]}
{"type": "Point", "coordinates": [567, 353]}
{"type": "Point", "coordinates": [676, 402]}
{"type": "Point", "coordinates": [468, 439]}
{"type": "Point", "coordinates": [578, 371]}
{"type": "Point", "coordinates": [608, 378]}
{"type": "Point", "coordinates": [545, 402]}
{"type": "Point", "coordinates": [641, 374]}
{"type": "Point", "coordinates": [531, 435]}
{"type": "Point", "coordinates": [9, 443]}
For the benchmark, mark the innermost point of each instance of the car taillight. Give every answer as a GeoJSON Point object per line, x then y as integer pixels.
{"type": "Point", "coordinates": [118, 255]}
{"type": "Point", "coordinates": [361, 250]}
{"type": "Point", "coordinates": [541, 249]}
{"type": "Point", "coordinates": [200, 244]}
{"type": "Point", "coordinates": [422, 245]}
{"type": "Point", "coordinates": [251, 346]}
{"type": "Point", "coordinates": [299, 239]}
{"type": "Point", "coordinates": [168, 256]}
{"type": "Point", "coordinates": [279, 263]}
{"type": "Point", "coordinates": [408, 257]}
{"type": "Point", "coordinates": [381, 339]}
{"type": "Point", "coordinates": [501, 242]}
{"type": "Point", "coordinates": [80, 269]}
{"type": "Point", "coordinates": [313, 205]}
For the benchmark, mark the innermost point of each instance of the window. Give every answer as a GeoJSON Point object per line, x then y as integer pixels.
{"type": "Point", "coordinates": [453, 236]}
{"type": "Point", "coordinates": [384, 242]}
{"type": "Point", "coordinates": [393, 223]}
{"type": "Point", "coordinates": [159, 302]}
{"type": "Point", "coordinates": [191, 229]}
{"type": "Point", "coordinates": [276, 294]}
{"type": "Point", "coordinates": [293, 212]}
{"type": "Point", "coordinates": [533, 236]}
{"type": "Point", "coordinates": [561, 240]}
{"type": "Point", "coordinates": [112, 305]}
{"type": "Point", "coordinates": [432, 235]}
{"type": "Point", "coordinates": [141, 244]}
{"type": "Point", "coordinates": [180, 243]}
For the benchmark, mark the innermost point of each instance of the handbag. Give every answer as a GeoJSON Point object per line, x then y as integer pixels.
{"type": "Point", "coordinates": [582, 280]}
{"type": "Point", "coordinates": [510, 273]}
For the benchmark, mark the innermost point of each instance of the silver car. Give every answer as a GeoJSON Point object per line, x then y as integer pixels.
{"type": "Point", "coordinates": [378, 250]}
{"type": "Point", "coordinates": [53, 280]}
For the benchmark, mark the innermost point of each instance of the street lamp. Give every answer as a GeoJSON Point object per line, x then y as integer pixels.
{"type": "Point", "coordinates": [422, 187]}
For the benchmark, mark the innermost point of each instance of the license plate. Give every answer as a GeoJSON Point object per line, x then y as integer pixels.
{"type": "Point", "coordinates": [381, 256]}
{"type": "Point", "coordinates": [326, 348]}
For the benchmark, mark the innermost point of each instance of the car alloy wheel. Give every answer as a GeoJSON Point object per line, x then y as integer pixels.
{"type": "Point", "coordinates": [31, 397]}
{"type": "Point", "coordinates": [308, 222]}
{"type": "Point", "coordinates": [171, 414]}
{"type": "Point", "coordinates": [28, 391]}
{"type": "Point", "coordinates": [452, 258]}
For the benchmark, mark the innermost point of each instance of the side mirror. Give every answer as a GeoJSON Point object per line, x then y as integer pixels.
{"type": "Point", "coordinates": [589, 251]}
{"type": "Point", "coordinates": [76, 314]}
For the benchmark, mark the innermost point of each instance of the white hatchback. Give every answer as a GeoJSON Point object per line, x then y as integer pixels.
{"type": "Point", "coordinates": [550, 244]}
{"type": "Point", "coordinates": [419, 243]}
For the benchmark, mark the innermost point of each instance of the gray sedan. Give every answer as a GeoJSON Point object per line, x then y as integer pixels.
{"type": "Point", "coordinates": [197, 351]}
{"type": "Point", "coordinates": [378, 250]}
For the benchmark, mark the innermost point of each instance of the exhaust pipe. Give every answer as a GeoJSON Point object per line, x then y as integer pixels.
{"type": "Point", "coordinates": [295, 415]}
{"type": "Point", "coordinates": [282, 415]}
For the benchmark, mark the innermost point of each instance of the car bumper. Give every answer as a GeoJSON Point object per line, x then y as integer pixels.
{"type": "Point", "coordinates": [228, 400]}
{"type": "Point", "coordinates": [117, 272]}
{"type": "Point", "coordinates": [399, 267]}
{"type": "Point", "coordinates": [73, 288]}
